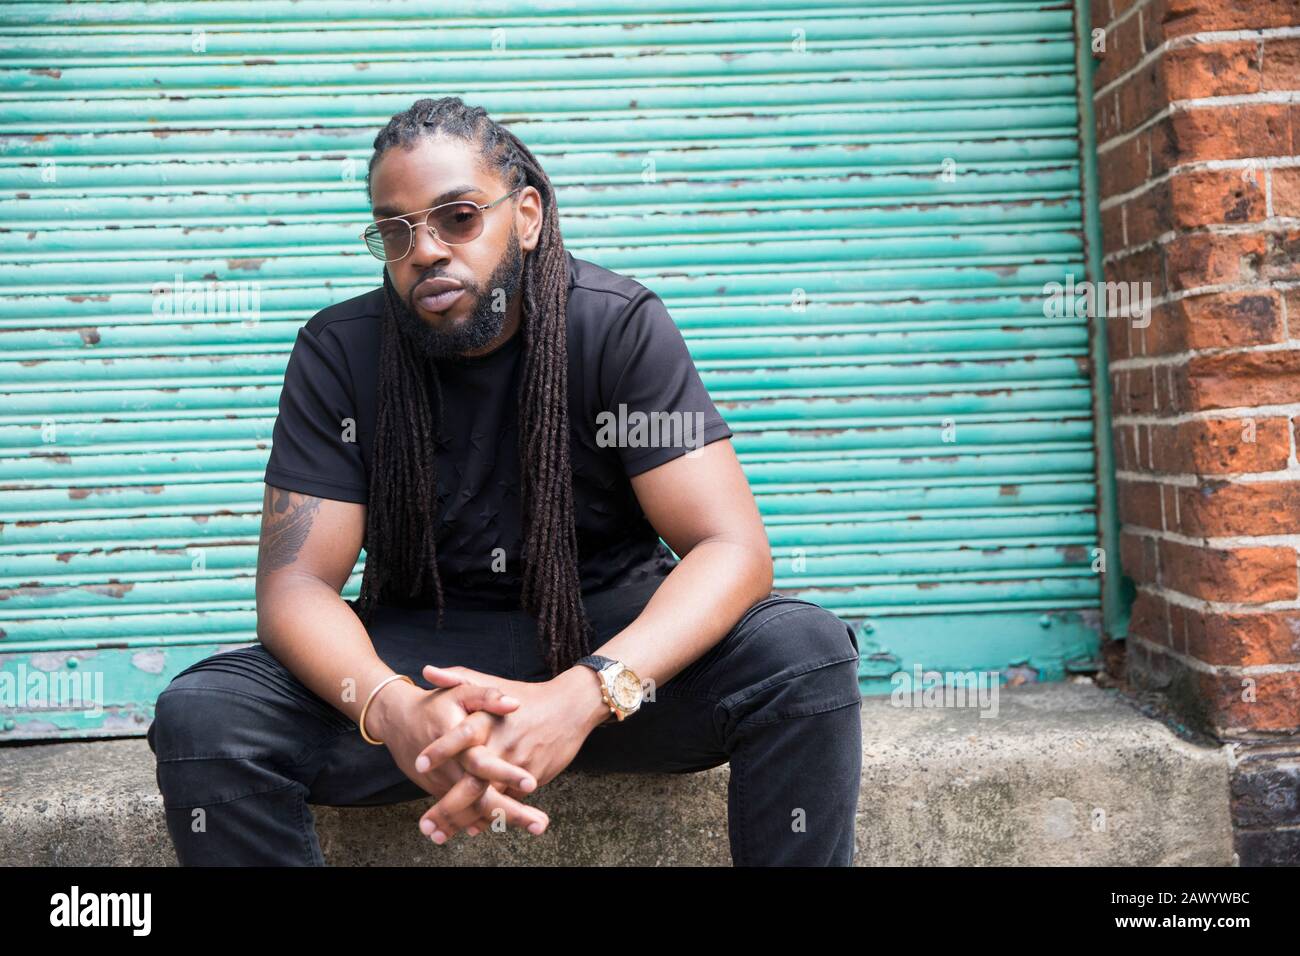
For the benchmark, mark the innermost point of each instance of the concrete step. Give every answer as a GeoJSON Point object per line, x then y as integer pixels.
{"type": "Point", "coordinates": [1064, 774]}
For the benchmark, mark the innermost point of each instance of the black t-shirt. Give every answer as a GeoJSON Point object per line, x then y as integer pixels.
{"type": "Point", "coordinates": [627, 358]}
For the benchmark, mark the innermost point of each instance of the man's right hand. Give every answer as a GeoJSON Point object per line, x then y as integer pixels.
{"type": "Point", "coordinates": [406, 718]}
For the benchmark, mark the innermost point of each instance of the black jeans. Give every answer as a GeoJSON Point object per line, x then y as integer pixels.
{"type": "Point", "coordinates": [238, 735]}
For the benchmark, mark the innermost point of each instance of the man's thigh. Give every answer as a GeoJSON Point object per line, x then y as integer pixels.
{"type": "Point", "coordinates": [752, 674]}
{"type": "Point", "coordinates": [239, 720]}
{"type": "Point", "coordinates": [244, 704]}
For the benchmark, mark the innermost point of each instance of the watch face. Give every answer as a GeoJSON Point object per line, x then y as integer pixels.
{"type": "Point", "coordinates": [627, 689]}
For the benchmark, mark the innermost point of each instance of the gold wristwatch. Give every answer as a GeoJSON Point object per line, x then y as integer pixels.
{"type": "Point", "coordinates": [620, 688]}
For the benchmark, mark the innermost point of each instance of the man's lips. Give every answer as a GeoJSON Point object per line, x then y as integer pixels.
{"type": "Point", "coordinates": [437, 295]}
{"type": "Point", "coordinates": [440, 302]}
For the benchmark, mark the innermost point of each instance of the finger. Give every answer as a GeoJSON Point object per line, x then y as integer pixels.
{"type": "Point", "coordinates": [485, 763]}
{"type": "Point", "coordinates": [466, 742]}
{"type": "Point", "coordinates": [483, 824]}
{"type": "Point", "coordinates": [445, 676]}
{"type": "Point", "coordinates": [465, 806]}
{"type": "Point", "coordinates": [491, 699]}
{"type": "Point", "coordinates": [494, 806]}
{"type": "Point", "coordinates": [470, 732]}
{"type": "Point", "coordinates": [454, 810]}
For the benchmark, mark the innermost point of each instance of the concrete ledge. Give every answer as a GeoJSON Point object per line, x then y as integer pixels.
{"type": "Point", "coordinates": [940, 787]}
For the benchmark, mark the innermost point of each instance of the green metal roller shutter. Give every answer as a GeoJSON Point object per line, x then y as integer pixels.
{"type": "Point", "coordinates": [850, 208]}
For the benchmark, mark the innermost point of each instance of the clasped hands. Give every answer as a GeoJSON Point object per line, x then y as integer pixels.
{"type": "Point", "coordinates": [507, 739]}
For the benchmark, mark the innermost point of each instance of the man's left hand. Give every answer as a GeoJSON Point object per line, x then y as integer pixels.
{"type": "Point", "coordinates": [542, 735]}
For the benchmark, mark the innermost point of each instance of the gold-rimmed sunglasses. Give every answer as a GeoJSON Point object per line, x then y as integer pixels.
{"type": "Point", "coordinates": [454, 223]}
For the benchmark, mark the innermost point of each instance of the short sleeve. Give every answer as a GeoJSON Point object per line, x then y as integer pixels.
{"type": "Point", "coordinates": [655, 406]}
{"type": "Point", "coordinates": [314, 444]}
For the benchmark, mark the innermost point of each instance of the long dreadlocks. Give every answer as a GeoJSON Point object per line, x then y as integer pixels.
{"type": "Point", "coordinates": [401, 551]}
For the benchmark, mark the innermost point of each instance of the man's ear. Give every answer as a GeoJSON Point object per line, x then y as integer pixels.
{"type": "Point", "coordinates": [530, 210]}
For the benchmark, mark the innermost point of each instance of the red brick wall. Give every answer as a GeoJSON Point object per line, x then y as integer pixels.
{"type": "Point", "coordinates": [1198, 131]}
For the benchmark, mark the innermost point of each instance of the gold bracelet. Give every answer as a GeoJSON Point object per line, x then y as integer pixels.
{"type": "Point", "coordinates": [361, 721]}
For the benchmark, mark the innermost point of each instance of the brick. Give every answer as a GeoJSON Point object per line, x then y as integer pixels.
{"type": "Point", "coordinates": [1202, 259]}
{"type": "Point", "coordinates": [1184, 395]}
{"type": "Point", "coordinates": [1149, 214]}
{"type": "Point", "coordinates": [1168, 332]}
{"type": "Point", "coordinates": [1263, 703]}
{"type": "Point", "coordinates": [1216, 320]}
{"type": "Point", "coordinates": [1221, 509]}
{"type": "Point", "coordinates": [1144, 265]}
{"type": "Point", "coordinates": [1167, 381]}
{"type": "Point", "coordinates": [1201, 197]}
{"type": "Point", "coordinates": [1109, 121]}
{"type": "Point", "coordinates": [1137, 555]}
{"type": "Point", "coordinates": [1123, 52]}
{"type": "Point", "coordinates": [1232, 380]}
{"type": "Point", "coordinates": [1132, 449]}
{"type": "Point", "coordinates": [1270, 846]}
{"type": "Point", "coordinates": [1133, 391]}
{"type": "Point", "coordinates": [1213, 702]}
{"type": "Point", "coordinates": [1286, 191]}
{"type": "Point", "coordinates": [1121, 440]}
{"type": "Point", "coordinates": [1099, 15]}
{"type": "Point", "coordinates": [1281, 255]}
{"type": "Point", "coordinates": [1238, 639]}
{"type": "Point", "coordinates": [1123, 168]}
{"type": "Point", "coordinates": [1210, 69]}
{"type": "Point", "coordinates": [1112, 229]}
{"type": "Point", "coordinates": [1149, 618]}
{"type": "Point", "coordinates": [1245, 575]}
{"type": "Point", "coordinates": [1167, 19]}
{"type": "Point", "coordinates": [1117, 339]}
{"type": "Point", "coordinates": [1153, 34]}
{"type": "Point", "coordinates": [1139, 503]}
{"type": "Point", "coordinates": [1222, 132]}
{"type": "Point", "coordinates": [1281, 67]}
{"type": "Point", "coordinates": [1222, 446]}
{"type": "Point", "coordinates": [1265, 791]}
{"type": "Point", "coordinates": [1141, 96]}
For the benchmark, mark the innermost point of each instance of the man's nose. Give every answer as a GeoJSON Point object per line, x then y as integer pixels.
{"type": "Point", "coordinates": [427, 250]}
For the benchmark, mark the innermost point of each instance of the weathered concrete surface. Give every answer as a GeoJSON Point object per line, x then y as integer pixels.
{"type": "Point", "coordinates": [939, 787]}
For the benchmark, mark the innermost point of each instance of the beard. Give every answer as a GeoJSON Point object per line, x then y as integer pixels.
{"type": "Point", "coordinates": [481, 326]}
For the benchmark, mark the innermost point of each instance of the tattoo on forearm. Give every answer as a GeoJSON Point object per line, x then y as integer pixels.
{"type": "Point", "coordinates": [286, 522]}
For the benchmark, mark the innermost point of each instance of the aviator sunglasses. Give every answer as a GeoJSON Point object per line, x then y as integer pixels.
{"type": "Point", "coordinates": [454, 223]}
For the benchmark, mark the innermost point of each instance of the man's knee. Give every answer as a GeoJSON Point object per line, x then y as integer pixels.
{"type": "Point", "coordinates": [220, 737]}
{"type": "Point", "coordinates": [799, 658]}
{"type": "Point", "coordinates": [226, 705]}
{"type": "Point", "coordinates": [240, 704]}
{"type": "Point", "coordinates": [194, 718]}
{"type": "Point", "coordinates": [798, 633]}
